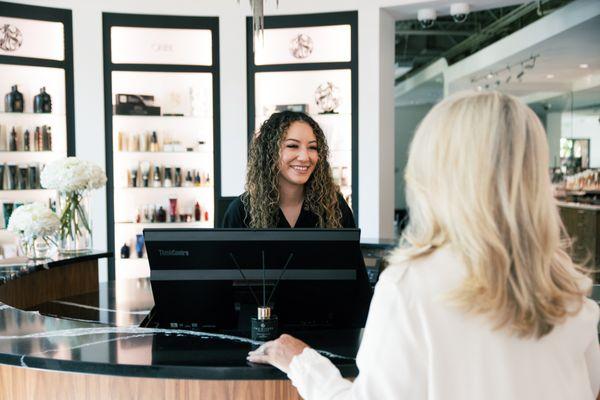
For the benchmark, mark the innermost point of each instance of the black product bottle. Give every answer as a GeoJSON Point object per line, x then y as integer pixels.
{"type": "Point", "coordinates": [12, 144]}
{"type": "Point", "coordinates": [125, 251]}
{"type": "Point", "coordinates": [23, 177]}
{"type": "Point", "coordinates": [42, 103]}
{"type": "Point", "coordinates": [13, 102]}
{"type": "Point", "coordinates": [26, 139]}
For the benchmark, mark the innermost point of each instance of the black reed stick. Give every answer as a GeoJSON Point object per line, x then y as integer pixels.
{"type": "Point", "coordinates": [281, 276]}
{"type": "Point", "coordinates": [264, 282]}
{"type": "Point", "coordinates": [245, 279]}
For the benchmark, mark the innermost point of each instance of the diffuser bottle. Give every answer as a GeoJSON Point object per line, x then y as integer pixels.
{"type": "Point", "coordinates": [264, 325]}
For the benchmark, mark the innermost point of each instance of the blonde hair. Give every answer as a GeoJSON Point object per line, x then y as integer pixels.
{"type": "Point", "coordinates": [477, 179]}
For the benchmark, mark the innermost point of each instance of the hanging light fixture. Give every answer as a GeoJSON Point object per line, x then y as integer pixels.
{"type": "Point", "coordinates": [258, 17]}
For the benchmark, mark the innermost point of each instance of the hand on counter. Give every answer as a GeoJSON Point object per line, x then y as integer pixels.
{"type": "Point", "coordinates": [278, 353]}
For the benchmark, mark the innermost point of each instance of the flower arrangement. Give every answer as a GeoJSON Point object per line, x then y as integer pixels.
{"type": "Point", "coordinates": [32, 222]}
{"type": "Point", "coordinates": [72, 175]}
{"type": "Point", "coordinates": [73, 178]}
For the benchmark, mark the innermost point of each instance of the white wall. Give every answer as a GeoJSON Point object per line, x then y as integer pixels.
{"type": "Point", "coordinates": [376, 41]}
{"type": "Point", "coordinates": [407, 118]}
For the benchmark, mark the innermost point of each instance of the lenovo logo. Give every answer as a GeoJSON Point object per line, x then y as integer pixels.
{"type": "Point", "coordinates": [173, 253]}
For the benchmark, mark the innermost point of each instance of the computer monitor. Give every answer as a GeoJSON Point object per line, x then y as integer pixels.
{"type": "Point", "coordinates": [202, 278]}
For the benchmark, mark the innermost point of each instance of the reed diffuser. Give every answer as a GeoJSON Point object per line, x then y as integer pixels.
{"type": "Point", "coordinates": [263, 326]}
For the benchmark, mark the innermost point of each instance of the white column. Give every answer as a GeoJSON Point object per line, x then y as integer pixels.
{"type": "Point", "coordinates": [376, 122]}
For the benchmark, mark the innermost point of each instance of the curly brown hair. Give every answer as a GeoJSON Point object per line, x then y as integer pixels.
{"type": "Point", "coordinates": [261, 199]}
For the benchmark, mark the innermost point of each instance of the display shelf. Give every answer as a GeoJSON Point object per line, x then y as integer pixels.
{"type": "Point", "coordinates": [137, 76]}
{"type": "Point", "coordinates": [208, 188]}
{"type": "Point", "coordinates": [163, 152]}
{"type": "Point", "coordinates": [32, 114]}
{"type": "Point", "coordinates": [142, 225]}
{"type": "Point", "coordinates": [43, 60]}
{"type": "Point", "coordinates": [310, 54]}
{"type": "Point", "coordinates": [166, 117]}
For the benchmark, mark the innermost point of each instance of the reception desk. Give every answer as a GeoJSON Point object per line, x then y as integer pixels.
{"type": "Point", "coordinates": [64, 336]}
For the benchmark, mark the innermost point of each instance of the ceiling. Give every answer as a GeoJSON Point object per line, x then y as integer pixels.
{"type": "Point", "coordinates": [559, 56]}
{"type": "Point", "coordinates": [405, 12]}
{"type": "Point", "coordinates": [557, 67]}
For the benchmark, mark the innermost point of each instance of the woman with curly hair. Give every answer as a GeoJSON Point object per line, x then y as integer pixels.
{"type": "Point", "coordinates": [289, 182]}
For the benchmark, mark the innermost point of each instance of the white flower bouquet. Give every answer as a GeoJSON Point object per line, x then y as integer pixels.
{"type": "Point", "coordinates": [73, 178]}
{"type": "Point", "coordinates": [72, 175]}
{"type": "Point", "coordinates": [32, 222]}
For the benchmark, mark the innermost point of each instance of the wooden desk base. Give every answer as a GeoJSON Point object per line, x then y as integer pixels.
{"type": "Point", "coordinates": [54, 283]}
{"type": "Point", "coordinates": [29, 384]}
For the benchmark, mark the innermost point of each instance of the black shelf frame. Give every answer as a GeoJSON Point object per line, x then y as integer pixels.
{"type": "Point", "coordinates": [156, 21]}
{"type": "Point", "coordinates": [303, 21]}
{"type": "Point", "coordinates": [64, 17]}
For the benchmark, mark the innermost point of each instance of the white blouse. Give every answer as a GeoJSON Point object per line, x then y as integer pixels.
{"type": "Point", "coordinates": [416, 346]}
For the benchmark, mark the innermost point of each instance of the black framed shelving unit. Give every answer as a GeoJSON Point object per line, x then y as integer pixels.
{"type": "Point", "coordinates": [36, 51]}
{"type": "Point", "coordinates": [162, 121]}
{"type": "Point", "coordinates": [309, 62]}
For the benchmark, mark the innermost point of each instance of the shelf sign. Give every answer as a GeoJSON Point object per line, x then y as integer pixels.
{"type": "Point", "coordinates": [20, 37]}
{"type": "Point", "coordinates": [161, 46]}
{"type": "Point", "coordinates": [317, 44]}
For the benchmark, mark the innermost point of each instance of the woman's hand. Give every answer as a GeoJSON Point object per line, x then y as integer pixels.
{"type": "Point", "coordinates": [278, 353]}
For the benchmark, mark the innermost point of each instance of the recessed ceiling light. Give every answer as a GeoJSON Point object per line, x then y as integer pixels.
{"type": "Point", "coordinates": [584, 66]}
{"type": "Point", "coordinates": [550, 76]}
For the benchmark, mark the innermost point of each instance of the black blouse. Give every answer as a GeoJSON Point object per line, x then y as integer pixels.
{"type": "Point", "coordinates": [237, 217]}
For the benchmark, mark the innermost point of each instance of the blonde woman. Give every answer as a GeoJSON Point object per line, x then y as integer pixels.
{"type": "Point", "coordinates": [480, 300]}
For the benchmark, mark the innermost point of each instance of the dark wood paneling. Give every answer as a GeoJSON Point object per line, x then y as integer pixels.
{"type": "Point", "coordinates": [54, 283]}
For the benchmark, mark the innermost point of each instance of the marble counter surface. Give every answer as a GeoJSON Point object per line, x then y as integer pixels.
{"type": "Point", "coordinates": [99, 333]}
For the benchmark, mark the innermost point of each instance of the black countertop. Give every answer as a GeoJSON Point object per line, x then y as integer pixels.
{"type": "Point", "coordinates": [99, 333]}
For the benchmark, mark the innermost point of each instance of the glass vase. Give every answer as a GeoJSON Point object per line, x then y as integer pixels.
{"type": "Point", "coordinates": [36, 248]}
{"type": "Point", "coordinates": [75, 235]}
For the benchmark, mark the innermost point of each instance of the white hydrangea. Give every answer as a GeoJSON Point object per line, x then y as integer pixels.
{"type": "Point", "coordinates": [72, 174]}
{"type": "Point", "coordinates": [33, 220]}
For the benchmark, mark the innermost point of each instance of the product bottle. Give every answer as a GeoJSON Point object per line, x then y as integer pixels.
{"type": "Point", "coordinates": [178, 177]}
{"type": "Point", "coordinates": [33, 177]}
{"type": "Point", "coordinates": [205, 215]}
{"type": "Point", "coordinates": [197, 180]}
{"type": "Point", "coordinates": [23, 178]}
{"type": "Point", "coordinates": [197, 213]}
{"type": "Point", "coordinates": [12, 144]}
{"type": "Point", "coordinates": [42, 103]}
{"type": "Point", "coordinates": [37, 139]}
{"type": "Point", "coordinates": [125, 251]}
{"type": "Point", "coordinates": [26, 146]}
{"type": "Point", "coordinates": [161, 215]}
{"type": "Point", "coordinates": [264, 325]}
{"type": "Point", "coordinates": [13, 102]}
{"type": "Point", "coordinates": [173, 210]}
{"type": "Point", "coordinates": [188, 180]}
{"type": "Point", "coordinates": [44, 137]}
{"type": "Point", "coordinates": [156, 178]}
{"type": "Point", "coordinates": [139, 245]}
{"type": "Point", "coordinates": [168, 180]}
{"type": "Point", "coordinates": [154, 142]}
